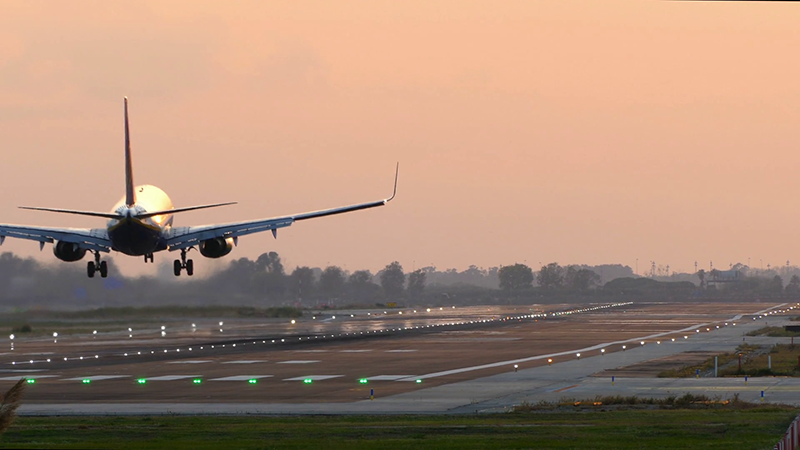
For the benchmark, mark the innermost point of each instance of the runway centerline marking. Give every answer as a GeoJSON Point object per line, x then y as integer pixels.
{"type": "Point", "coordinates": [96, 378]}
{"type": "Point", "coordinates": [189, 362]}
{"type": "Point", "coordinates": [240, 377]}
{"type": "Point", "coordinates": [245, 361]}
{"type": "Point", "coordinates": [400, 351]}
{"type": "Point", "coordinates": [354, 351]}
{"type": "Point", "coordinates": [313, 377]}
{"type": "Point", "coordinates": [171, 377]}
{"type": "Point", "coordinates": [34, 377]}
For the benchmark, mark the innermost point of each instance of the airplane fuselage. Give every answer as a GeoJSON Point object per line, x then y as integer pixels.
{"type": "Point", "coordinates": [137, 237]}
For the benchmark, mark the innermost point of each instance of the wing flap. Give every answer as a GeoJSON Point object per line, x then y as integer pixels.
{"type": "Point", "coordinates": [88, 238]}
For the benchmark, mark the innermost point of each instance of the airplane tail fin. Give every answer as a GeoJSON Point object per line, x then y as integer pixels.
{"type": "Point", "coordinates": [130, 193]}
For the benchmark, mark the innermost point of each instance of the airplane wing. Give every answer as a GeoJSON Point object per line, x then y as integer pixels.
{"type": "Point", "coordinates": [88, 238]}
{"type": "Point", "coordinates": [183, 237]}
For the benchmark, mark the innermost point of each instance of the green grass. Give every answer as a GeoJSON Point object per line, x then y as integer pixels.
{"type": "Point", "coordinates": [772, 332]}
{"type": "Point", "coordinates": [720, 428]}
{"type": "Point", "coordinates": [722, 359]}
{"type": "Point", "coordinates": [784, 363]}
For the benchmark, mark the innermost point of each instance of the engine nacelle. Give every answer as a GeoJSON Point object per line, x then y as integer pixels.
{"type": "Point", "coordinates": [67, 251]}
{"type": "Point", "coordinates": [216, 248]}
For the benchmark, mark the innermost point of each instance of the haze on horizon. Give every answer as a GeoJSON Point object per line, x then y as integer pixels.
{"type": "Point", "coordinates": [583, 132]}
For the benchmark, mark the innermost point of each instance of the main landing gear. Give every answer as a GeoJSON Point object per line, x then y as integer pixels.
{"type": "Point", "coordinates": [183, 263]}
{"type": "Point", "coordinates": [97, 266]}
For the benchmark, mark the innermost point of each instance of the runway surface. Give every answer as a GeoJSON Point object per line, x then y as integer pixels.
{"type": "Point", "coordinates": [459, 361]}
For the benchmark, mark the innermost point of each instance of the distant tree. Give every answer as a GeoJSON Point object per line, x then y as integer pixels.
{"type": "Point", "coordinates": [551, 276]}
{"type": "Point", "coordinates": [518, 277]}
{"type": "Point", "coordinates": [580, 279]}
{"type": "Point", "coordinates": [361, 288]}
{"type": "Point", "coordinates": [416, 284]}
{"type": "Point", "coordinates": [301, 283]}
{"type": "Point", "coordinates": [701, 274]}
{"type": "Point", "coordinates": [392, 280]}
{"type": "Point", "coordinates": [331, 282]}
{"type": "Point", "coordinates": [794, 285]}
{"type": "Point", "coordinates": [776, 285]}
{"type": "Point", "coordinates": [270, 263]}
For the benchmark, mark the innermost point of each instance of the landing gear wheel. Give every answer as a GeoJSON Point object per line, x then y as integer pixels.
{"type": "Point", "coordinates": [103, 269]}
{"type": "Point", "coordinates": [177, 267]}
{"type": "Point", "coordinates": [189, 267]}
{"type": "Point", "coordinates": [90, 269]}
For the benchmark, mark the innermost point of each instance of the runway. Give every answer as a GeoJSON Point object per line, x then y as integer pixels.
{"type": "Point", "coordinates": [455, 367]}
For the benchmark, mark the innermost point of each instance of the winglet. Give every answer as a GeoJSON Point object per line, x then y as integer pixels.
{"type": "Point", "coordinates": [396, 175]}
{"type": "Point", "coordinates": [130, 194]}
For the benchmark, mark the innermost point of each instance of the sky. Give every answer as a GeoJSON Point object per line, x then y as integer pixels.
{"type": "Point", "coordinates": [581, 131]}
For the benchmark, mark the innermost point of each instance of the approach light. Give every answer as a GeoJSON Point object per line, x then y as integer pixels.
{"type": "Point", "coordinates": [94, 332]}
{"type": "Point", "coordinates": [55, 335]}
{"type": "Point", "coordinates": [163, 327]}
{"type": "Point", "coordinates": [363, 381]}
{"type": "Point", "coordinates": [642, 342]}
{"type": "Point", "coordinates": [11, 337]}
{"type": "Point", "coordinates": [549, 361]}
{"type": "Point", "coordinates": [578, 355]}
{"type": "Point", "coordinates": [673, 339]}
{"type": "Point", "coordinates": [602, 350]}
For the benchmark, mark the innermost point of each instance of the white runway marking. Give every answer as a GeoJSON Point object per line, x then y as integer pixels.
{"type": "Point", "coordinates": [400, 351]}
{"type": "Point", "coordinates": [96, 377]}
{"type": "Point", "coordinates": [310, 351]}
{"type": "Point", "coordinates": [35, 377]}
{"type": "Point", "coordinates": [40, 353]}
{"type": "Point", "coordinates": [298, 361]}
{"type": "Point", "coordinates": [23, 371]}
{"type": "Point", "coordinates": [313, 377]}
{"type": "Point", "coordinates": [354, 351]}
{"type": "Point", "coordinates": [389, 377]}
{"type": "Point", "coordinates": [245, 361]}
{"type": "Point", "coordinates": [195, 361]}
{"type": "Point", "coordinates": [240, 378]}
{"type": "Point", "coordinates": [172, 377]}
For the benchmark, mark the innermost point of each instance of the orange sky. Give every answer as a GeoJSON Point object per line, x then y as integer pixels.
{"type": "Point", "coordinates": [571, 131]}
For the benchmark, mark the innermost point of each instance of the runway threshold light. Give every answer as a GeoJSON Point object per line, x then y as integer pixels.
{"type": "Point", "coordinates": [252, 381]}
{"type": "Point", "coordinates": [30, 381]}
{"type": "Point", "coordinates": [141, 381]}
{"type": "Point", "coordinates": [308, 381]}
{"type": "Point", "coordinates": [86, 381]}
{"type": "Point", "coordinates": [363, 381]}
{"type": "Point", "coordinates": [419, 381]}
{"type": "Point", "coordinates": [197, 381]}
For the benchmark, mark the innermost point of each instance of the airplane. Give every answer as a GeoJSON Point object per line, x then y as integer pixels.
{"type": "Point", "coordinates": [141, 224]}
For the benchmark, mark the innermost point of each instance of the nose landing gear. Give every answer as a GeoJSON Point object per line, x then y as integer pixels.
{"type": "Point", "coordinates": [97, 266]}
{"type": "Point", "coordinates": [183, 263]}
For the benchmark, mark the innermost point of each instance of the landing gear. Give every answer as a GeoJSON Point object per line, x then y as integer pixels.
{"type": "Point", "coordinates": [97, 266]}
{"type": "Point", "coordinates": [183, 263]}
{"type": "Point", "coordinates": [148, 258]}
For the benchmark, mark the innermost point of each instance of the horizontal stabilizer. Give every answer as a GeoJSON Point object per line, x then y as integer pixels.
{"type": "Point", "coordinates": [177, 210]}
{"type": "Point", "coordinates": [71, 211]}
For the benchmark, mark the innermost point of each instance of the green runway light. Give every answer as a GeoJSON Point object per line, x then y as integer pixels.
{"type": "Point", "coordinates": [252, 381]}
{"type": "Point", "coordinates": [141, 381]}
{"type": "Point", "coordinates": [419, 381]}
{"type": "Point", "coordinates": [308, 381]}
{"type": "Point", "coordinates": [197, 381]}
{"type": "Point", "coordinates": [86, 381]}
{"type": "Point", "coordinates": [363, 381]}
{"type": "Point", "coordinates": [31, 381]}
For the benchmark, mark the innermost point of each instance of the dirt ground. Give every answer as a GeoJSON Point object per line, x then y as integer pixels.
{"type": "Point", "coordinates": [247, 350]}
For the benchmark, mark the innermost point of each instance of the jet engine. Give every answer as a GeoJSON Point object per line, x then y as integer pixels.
{"type": "Point", "coordinates": [216, 248]}
{"type": "Point", "coordinates": [68, 251]}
